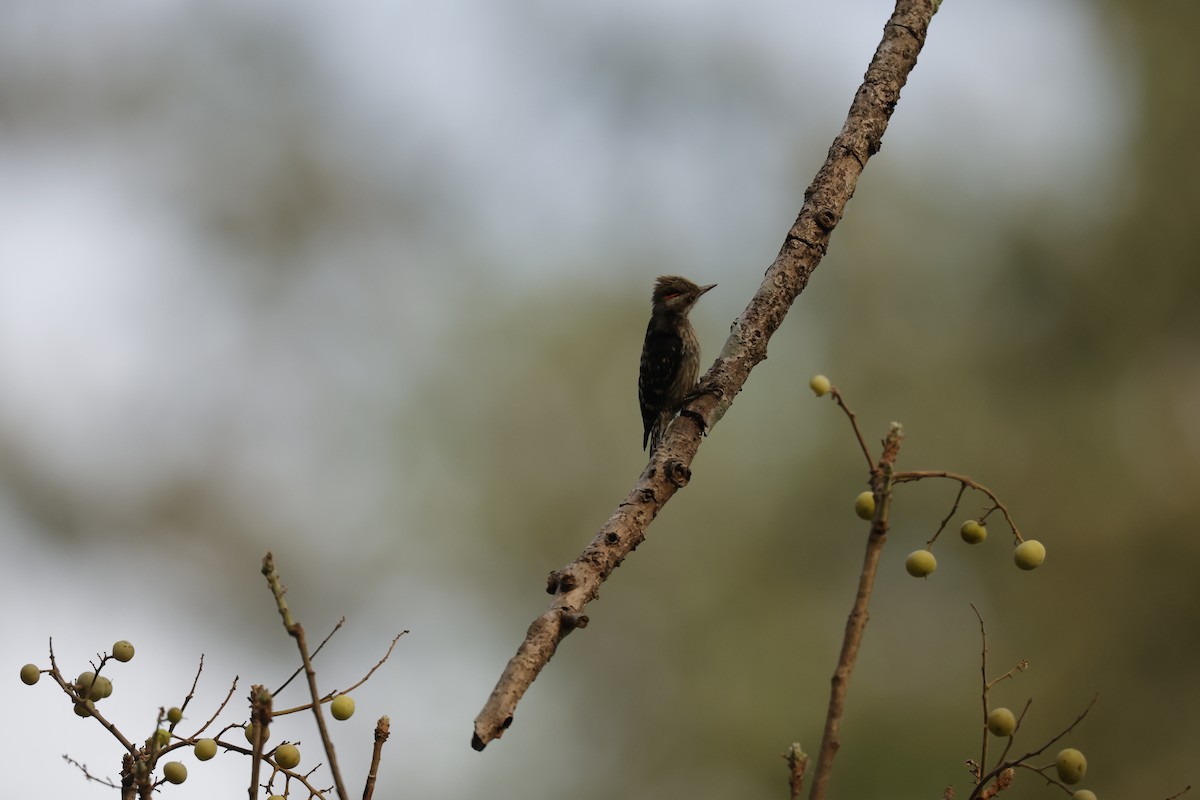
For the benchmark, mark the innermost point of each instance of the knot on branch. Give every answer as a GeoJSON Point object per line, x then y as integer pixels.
{"type": "Point", "coordinates": [571, 620]}
{"type": "Point", "coordinates": [678, 473]}
{"type": "Point", "coordinates": [701, 423]}
{"type": "Point", "coordinates": [826, 219]}
{"type": "Point", "coordinates": [560, 580]}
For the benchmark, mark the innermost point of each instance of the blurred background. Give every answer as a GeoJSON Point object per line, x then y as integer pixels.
{"type": "Point", "coordinates": [365, 285]}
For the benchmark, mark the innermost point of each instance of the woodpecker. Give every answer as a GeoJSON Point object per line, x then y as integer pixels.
{"type": "Point", "coordinates": [670, 355]}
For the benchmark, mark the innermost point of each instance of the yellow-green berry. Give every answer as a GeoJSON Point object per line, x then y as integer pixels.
{"type": "Point", "coordinates": [84, 683]}
{"type": "Point", "coordinates": [162, 737]}
{"type": "Point", "coordinates": [266, 733]}
{"type": "Point", "coordinates": [84, 709]}
{"type": "Point", "coordinates": [920, 563]}
{"type": "Point", "coordinates": [30, 674]}
{"type": "Point", "coordinates": [1029, 554]}
{"type": "Point", "coordinates": [342, 707]}
{"type": "Point", "coordinates": [1084, 794]}
{"type": "Point", "coordinates": [1001, 722]}
{"type": "Point", "coordinates": [205, 749]}
{"type": "Point", "coordinates": [1071, 765]}
{"type": "Point", "coordinates": [972, 532]}
{"type": "Point", "coordinates": [175, 771]}
{"type": "Point", "coordinates": [174, 715]}
{"type": "Point", "coordinates": [101, 688]}
{"type": "Point", "coordinates": [122, 651]}
{"type": "Point", "coordinates": [864, 505]}
{"type": "Point", "coordinates": [820, 385]}
{"type": "Point", "coordinates": [287, 756]}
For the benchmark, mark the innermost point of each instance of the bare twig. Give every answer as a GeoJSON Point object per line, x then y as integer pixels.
{"type": "Point", "coordinates": [862, 443]}
{"type": "Point", "coordinates": [797, 761]}
{"type": "Point", "coordinates": [260, 719]}
{"type": "Point", "coordinates": [983, 651]}
{"type": "Point", "coordinates": [296, 631]}
{"type": "Point", "coordinates": [906, 477]}
{"type": "Point", "coordinates": [383, 729]}
{"type": "Point", "coordinates": [669, 470]}
{"type": "Point", "coordinates": [962, 487]}
{"type": "Point", "coordinates": [351, 687]}
{"type": "Point", "coordinates": [856, 623]}
{"type": "Point", "coordinates": [220, 708]}
{"type": "Point", "coordinates": [300, 669]}
{"type": "Point", "coordinates": [83, 768]}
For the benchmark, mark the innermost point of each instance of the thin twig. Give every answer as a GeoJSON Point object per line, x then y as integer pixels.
{"type": "Point", "coordinates": [856, 623]}
{"type": "Point", "coordinates": [797, 761]}
{"type": "Point", "coordinates": [220, 708]}
{"type": "Point", "coordinates": [669, 470]}
{"type": "Point", "coordinates": [862, 443]}
{"type": "Point", "coordinates": [296, 631]}
{"type": "Point", "coordinates": [962, 487]}
{"type": "Point", "coordinates": [83, 768]}
{"type": "Point", "coordinates": [983, 651]}
{"type": "Point", "coordinates": [905, 477]}
{"type": "Point", "coordinates": [383, 729]}
{"type": "Point", "coordinates": [351, 687]}
{"type": "Point", "coordinates": [260, 720]}
{"type": "Point", "coordinates": [300, 669]}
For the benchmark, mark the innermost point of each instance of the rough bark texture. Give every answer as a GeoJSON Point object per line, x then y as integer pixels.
{"type": "Point", "coordinates": [669, 470]}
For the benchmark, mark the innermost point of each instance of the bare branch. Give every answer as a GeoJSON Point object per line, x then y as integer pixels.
{"type": "Point", "coordinates": [296, 631]}
{"type": "Point", "coordinates": [669, 470]}
{"type": "Point", "coordinates": [856, 623]}
{"type": "Point", "coordinates": [383, 729]}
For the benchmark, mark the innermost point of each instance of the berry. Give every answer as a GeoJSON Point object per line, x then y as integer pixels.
{"type": "Point", "coordinates": [342, 707]}
{"type": "Point", "coordinates": [175, 771]}
{"type": "Point", "coordinates": [30, 674]}
{"type": "Point", "coordinates": [1029, 554]}
{"type": "Point", "coordinates": [174, 715]}
{"type": "Point", "coordinates": [972, 532]}
{"type": "Point", "coordinates": [1001, 722]}
{"type": "Point", "coordinates": [162, 737]}
{"type": "Point", "coordinates": [1071, 765]}
{"type": "Point", "coordinates": [920, 563]}
{"type": "Point", "coordinates": [820, 385]}
{"type": "Point", "coordinates": [864, 505]}
{"type": "Point", "coordinates": [205, 749]}
{"type": "Point", "coordinates": [276, 797]}
{"type": "Point", "coordinates": [287, 756]}
{"type": "Point", "coordinates": [266, 734]}
{"type": "Point", "coordinates": [83, 684]}
{"type": "Point", "coordinates": [1084, 794]}
{"type": "Point", "coordinates": [122, 651]}
{"type": "Point", "coordinates": [101, 688]}
{"type": "Point", "coordinates": [84, 709]}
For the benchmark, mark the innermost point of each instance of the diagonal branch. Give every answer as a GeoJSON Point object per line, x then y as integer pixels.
{"type": "Point", "coordinates": [669, 470]}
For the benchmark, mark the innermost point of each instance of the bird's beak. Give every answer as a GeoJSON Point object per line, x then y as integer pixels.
{"type": "Point", "coordinates": [704, 289]}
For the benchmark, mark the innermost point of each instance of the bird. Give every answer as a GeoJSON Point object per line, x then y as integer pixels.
{"type": "Point", "coordinates": [670, 355]}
